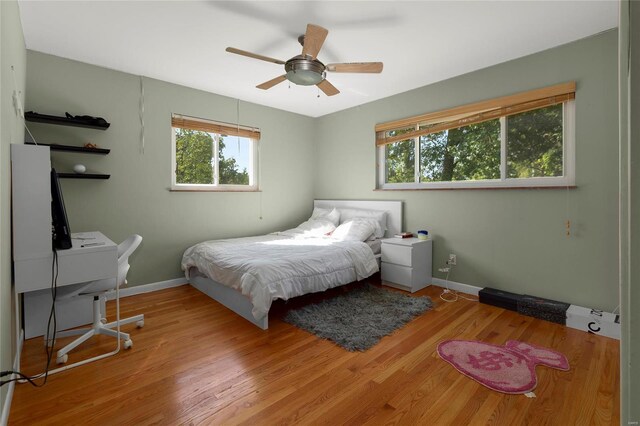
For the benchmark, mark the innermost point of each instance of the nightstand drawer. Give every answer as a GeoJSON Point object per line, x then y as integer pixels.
{"type": "Point", "coordinates": [397, 274]}
{"type": "Point", "coordinates": [397, 254]}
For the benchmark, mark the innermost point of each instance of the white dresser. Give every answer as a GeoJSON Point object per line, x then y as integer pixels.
{"type": "Point", "coordinates": [406, 263]}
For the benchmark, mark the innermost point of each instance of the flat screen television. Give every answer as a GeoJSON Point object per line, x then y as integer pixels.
{"type": "Point", "coordinates": [60, 223]}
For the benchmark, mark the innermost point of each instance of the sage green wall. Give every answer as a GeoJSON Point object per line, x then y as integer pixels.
{"type": "Point", "coordinates": [508, 239]}
{"type": "Point", "coordinates": [136, 198]}
{"type": "Point", "coordinates": [634, 211]}
{"type": "Point", "coordinates": [12, 54]}
{"type": "Point", "coordinates": [630, 209]}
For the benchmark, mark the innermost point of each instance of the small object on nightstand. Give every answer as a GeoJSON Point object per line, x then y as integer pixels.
{"type": "Point", "coordinates": [79, 168]}
{"type": "Point", "coordinates": [404, 235]}
{"type": "Point", "coordinates": [423, 235]}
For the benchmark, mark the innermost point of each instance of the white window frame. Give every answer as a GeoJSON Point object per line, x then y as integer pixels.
{"type": "Point", "coordinates": [568, 164]}
{"type": "Point", "coordinates": [253, 171]}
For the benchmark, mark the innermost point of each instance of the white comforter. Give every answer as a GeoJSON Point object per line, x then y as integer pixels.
{"type": "Point", "coordinates": [270, 267]}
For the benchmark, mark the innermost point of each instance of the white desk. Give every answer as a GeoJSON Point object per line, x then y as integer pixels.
{"type": "Point", "coordinates": [32, 253]}
{"type": "Point", "coordinates": [93, 256]}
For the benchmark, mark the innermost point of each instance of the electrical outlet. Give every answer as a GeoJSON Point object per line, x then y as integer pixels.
{"type": "Point", "coordinates": [453, 259]}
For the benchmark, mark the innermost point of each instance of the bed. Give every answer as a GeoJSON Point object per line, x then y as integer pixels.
{"type": "Point", "coordinates": [247, 274]}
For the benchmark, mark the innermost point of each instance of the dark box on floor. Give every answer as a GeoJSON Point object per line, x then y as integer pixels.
{"type": "Point", "coordinates": [499, 298]}
{"type": "Point", "coordinates": [549, 310]}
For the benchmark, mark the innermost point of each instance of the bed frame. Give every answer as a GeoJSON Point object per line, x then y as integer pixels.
{"type": "Point", "coordinates": [241, 304]}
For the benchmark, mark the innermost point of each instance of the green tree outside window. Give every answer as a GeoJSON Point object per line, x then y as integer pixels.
{"type": "Point", "coordinates": [195, 160]}
{"type": "Point", "coordinates": [534, 148]}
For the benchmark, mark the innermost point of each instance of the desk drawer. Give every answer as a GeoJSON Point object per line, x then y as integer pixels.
{"type": "Point", "coordinates": [35, 274]}
{"type": "Point", "coordinates": [400, 255]}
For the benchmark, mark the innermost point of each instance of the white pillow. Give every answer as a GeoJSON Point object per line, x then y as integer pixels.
{"type": "Point", "coordinates": [314, 227]}
{"type": "Point", "coordinates": [332, 215]}
{"type": "Point", "coordinates": [379, 215]}
{"type": "Point", "coordinates": [357, 229]}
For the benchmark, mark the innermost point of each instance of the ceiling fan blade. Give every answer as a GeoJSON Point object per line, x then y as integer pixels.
{"type": "Point", "coordinates": [253, 55]}
{"type": "Point", "coordinates": [328, 88]}
{"type": "Point", "coordinates": [313, 40]}
{"type": "Point", "coordinates": [362, 67]}
{"type": "Point", "coordinates": [269, 84]}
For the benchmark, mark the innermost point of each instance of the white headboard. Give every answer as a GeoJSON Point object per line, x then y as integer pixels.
{"type": "Point", "coordinates": [393, 209]}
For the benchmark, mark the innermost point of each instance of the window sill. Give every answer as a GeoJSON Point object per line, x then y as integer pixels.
{"type": "Point", "coordinates": [190, 188]}
{"type": "Point", "coordinates": [560, 182]}
{"type": "Point", "coordinates": [476, 188]}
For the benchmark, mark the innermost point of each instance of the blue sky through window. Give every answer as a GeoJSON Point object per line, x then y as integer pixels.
{"type": "Point", "coordinates": [238, 148]}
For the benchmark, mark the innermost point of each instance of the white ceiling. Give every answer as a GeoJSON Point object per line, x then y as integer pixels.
{"type": "Point", "coordinates": [420, 42]}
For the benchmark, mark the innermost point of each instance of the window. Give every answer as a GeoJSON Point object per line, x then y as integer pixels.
{"type": "Point", "coordinates": [520, 140]}
{"type": "Point", "coordinates": [211, 156]}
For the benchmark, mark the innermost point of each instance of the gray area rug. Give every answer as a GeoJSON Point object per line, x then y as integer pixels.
{"type": "Point", "coordinates": [357, 320]}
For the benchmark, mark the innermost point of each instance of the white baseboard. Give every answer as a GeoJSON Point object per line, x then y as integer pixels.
{"type": "Point", "coordinates": [6, 406]}
{"type": "Point", "coordinates": [462, 288]}
{"type": "Point", "coordinates": [147, 288]}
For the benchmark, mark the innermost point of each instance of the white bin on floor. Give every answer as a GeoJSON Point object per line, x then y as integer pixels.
{"type": "Point", "coordinates": [594, 321]}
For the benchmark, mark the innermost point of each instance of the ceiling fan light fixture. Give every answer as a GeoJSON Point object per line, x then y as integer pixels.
{"type": "Point", "coordinates": [304, 77]}
{"type": "Point", "coordinates": [303, 71]}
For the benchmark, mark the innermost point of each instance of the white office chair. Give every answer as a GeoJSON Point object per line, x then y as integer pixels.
{"type": "Point", "coordinates": [98, 289]}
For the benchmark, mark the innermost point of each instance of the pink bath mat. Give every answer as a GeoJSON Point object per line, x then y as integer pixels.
{"type": "Point", "coordinates": [510, 368]}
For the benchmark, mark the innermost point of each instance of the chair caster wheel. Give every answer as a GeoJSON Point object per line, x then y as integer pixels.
{"type": "Point", "coordinates": [140, 324]}
{"type": "Point", "coordinates": [127, 344]}
{"type": "Point", "coordinates": [103, 320]}
{"type": "Point", "coordinates": [62, 359]}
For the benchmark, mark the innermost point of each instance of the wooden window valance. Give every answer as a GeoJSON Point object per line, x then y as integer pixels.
{"type": "Point", "coordinates": [202, 125]}
{"type": "Point", "coordinates": [477, 112]}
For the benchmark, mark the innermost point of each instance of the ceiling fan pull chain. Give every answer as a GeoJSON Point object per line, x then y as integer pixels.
{"type": "Point", "coordinates": [238, 122]}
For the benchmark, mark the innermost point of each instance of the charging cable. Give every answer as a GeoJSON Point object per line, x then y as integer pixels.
{"type": "Point", "coordinates": [17, 376]}
{"type": "Point", "coordinates": [447, 294]}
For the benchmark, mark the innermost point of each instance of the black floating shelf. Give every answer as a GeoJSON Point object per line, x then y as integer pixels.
{"type": "Point", "coordinates": [82, 176]}
{"type": "Point", "coordinates": [70, 148]}
{"type": "Point", "coordinates": [63, 121]}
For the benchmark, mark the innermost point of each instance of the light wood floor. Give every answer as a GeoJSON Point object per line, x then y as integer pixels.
{"type": "Point", "coordinates": [195, 362]}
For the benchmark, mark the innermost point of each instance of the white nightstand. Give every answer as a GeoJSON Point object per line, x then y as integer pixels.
{"type": "Point", "coordinates": [406, 263]}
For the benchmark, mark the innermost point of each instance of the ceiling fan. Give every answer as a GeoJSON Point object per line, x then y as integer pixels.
{"type": "Point", "coordinates": [305, 69]}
